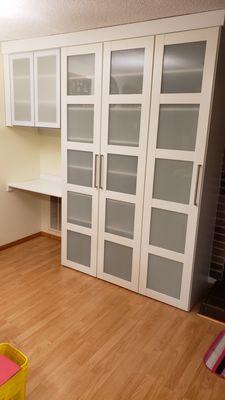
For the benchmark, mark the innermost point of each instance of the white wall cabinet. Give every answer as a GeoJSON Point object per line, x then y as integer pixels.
{"type": "Point", "coordinates": [35, 89]}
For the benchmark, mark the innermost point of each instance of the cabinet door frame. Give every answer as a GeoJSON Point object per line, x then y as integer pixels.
{"type": "Point", "coordinates": [197, 157]}
{"type": "Point", "coordinates": [137, 199]}
{"type": "Point", "coordinates": [91, 147]}
{"type": "Point", "coordinates": [31, 60]}
{"type": "Point", "coordinates": [44, 53]}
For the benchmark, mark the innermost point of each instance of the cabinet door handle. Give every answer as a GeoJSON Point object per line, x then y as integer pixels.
{"type": "Point", "coordinates": [96, 169]}
{"type": "Point", "coordinates": [101, 171]}
{"type": "Point", "coordinates": [197, 185]}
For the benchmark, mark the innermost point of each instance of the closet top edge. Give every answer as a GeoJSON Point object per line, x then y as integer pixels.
{"type": "Point", "coordinates": [201, 20]}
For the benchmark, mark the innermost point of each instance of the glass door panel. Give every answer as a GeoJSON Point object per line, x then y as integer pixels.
{"type": "Point", "coordinates": [177, 128]}
{"type": "Point", "coordinates": [172, 180]}
{"type": "Point", "coordinates": [183, 67]}
{"type": "Point", "coordinates": [118, 260]}
{"type": "Point", "coordinates": [47, 88]}
{"type": "Point", "coordinates": [119, 218]}
{"type": "Point", "coordinates": [22, 89]}
{"type": "Point", "coordinates": [79, 248]}
{"type": "Point", "coordinates": [127, 71]}
{"type": "Point", "coordinates": [80, 167]}
{"type": "Point", "coordinates": [80, 120]}
{"type": "Point", "coordinates": [81, 74]}
{"type": "Point", "coordinates": [124, 124]}
{"type": "Point", "coordinates": [122, 173]}
{"type": "Point", "coordinates": [168, 229]}
{"type": "Point", "coordinates": [79, 209]}
{"type": "Point", "coordinates": [164, 276]}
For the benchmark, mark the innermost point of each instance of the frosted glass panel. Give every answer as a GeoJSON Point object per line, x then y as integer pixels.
{"type": "Point", "coordinates": [80, 74]}
{"type": "Point", "coordinates": [79, 248]}
{"type": "Point", "coordinates": [79, 209]}
{"type": "Point", "coordinates": [80, 122]}
{"type": "Point", "coordinates": [80, 167]}
{"type": "Point", "coordinates": [183, 67]}
{"type": "Point", "coordinates": [122, 173]}
{"type": "Point", "coordinates": [178, 126]}
{"type": "Point", "coordinates": [21, 88]}
{"type": "Point", "coordinates": [168, 229]}
{"type": "Point", "coordinates": [46, 70]}
{"type": "Point", "coordinates": [124, 124]}
{"type": "Point", "coordinates": [127, 71]}
{"type": "Point", "coordinates": [164, 275]}
{"type": "Point", "coordinates": [172, 180]}
{"type": "Point", "coordinates": [118, 260]}
{"type": "Point", "coordinates": [120, 218]}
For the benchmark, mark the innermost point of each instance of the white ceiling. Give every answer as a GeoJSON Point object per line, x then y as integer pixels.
{"type": "Point", "coordinates": [26, 18]}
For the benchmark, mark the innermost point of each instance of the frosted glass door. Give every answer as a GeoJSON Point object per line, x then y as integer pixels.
{"type": "Point", "coordinates": [22, 93]}
{"type": "Point", "coordinates": [125, 110]}
{"type": "Point", "coordinates": [81, 93]}
{"type": "Point", "coordinates": [47, 88]}
{"type": "Point", "coordinates": [177, 141]}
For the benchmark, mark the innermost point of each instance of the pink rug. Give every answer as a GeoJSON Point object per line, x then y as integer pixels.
{"type": "Point", "coordinates": [215, 357]}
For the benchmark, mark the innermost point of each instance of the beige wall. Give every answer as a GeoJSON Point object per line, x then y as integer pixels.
{"type": "Point", "coordinates": [50, 150]}
{"type": "Point", "coordinates": [19, 160]}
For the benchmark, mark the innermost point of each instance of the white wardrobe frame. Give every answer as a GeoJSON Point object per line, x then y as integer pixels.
{"type": "Point", "coordinates": [143, 100]}
{"type": "Point", "coordinates": [197, 156]}
{"type": "Point", "coordinates": [89, 147]}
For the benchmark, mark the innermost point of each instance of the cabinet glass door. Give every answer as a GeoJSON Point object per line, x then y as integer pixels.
{"type": "Point", "coordinates": [22, 92]}
{"type": "Point", "coordinates": [81, 94]}
{"type": "Point", "coordinates": [125, 110]}
{"type": "Point", "coordinates": [47, 88]}
{"type": "Point", "coordinates": [177, 139]}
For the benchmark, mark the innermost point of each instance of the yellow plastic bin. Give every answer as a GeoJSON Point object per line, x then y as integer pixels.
{"type": "Point", "coordinates": [15, 387]}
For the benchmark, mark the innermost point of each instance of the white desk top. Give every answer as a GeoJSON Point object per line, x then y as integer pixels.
{"type": "Point", "coordinates": [46, 184]}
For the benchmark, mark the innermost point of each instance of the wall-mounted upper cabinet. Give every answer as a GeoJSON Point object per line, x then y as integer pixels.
{"type": "Point", "coordinates": [34, 80]}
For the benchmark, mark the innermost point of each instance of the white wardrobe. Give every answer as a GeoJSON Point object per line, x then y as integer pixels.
{"type": "Point", "coordinates": [139, 157]}
{"type": "Point", "coordinates": [126, 221]}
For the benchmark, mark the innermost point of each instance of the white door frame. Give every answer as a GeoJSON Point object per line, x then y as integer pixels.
{"type": "Point", "coordinates": [31, 61]}
{"type": "Point", "coordinates": [91, 147]}
{"type": "Point", "coordinates": [197, 157]}
{"type": "Point", "coordinates": [140, 152]}
{"type": "Point", "coordinates": [45, 53]}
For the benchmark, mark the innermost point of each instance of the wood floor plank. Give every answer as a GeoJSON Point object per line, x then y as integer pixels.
{"type": "Point", "coordinates": [89, 340]}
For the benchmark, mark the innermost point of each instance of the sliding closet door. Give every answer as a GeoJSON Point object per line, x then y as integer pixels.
{"type": "Point", "coordinates": [22, 89]}
{"type": "Point", "coordinates": [125, 109]}
{"type": "Point", "coordinates": [81, 109]}
{"type": "Point", "coordinates": [180, 107]}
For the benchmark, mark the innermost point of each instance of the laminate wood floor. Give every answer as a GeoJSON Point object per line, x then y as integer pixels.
{"type": "Point", "coordinates": [88, 339]}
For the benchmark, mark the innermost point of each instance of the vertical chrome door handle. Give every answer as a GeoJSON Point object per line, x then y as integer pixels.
{"type": "Point", "coordinates": [96, 170]}
{"type": "Point", "coordinates": [197, 185]}
{"type": "Point", "coordinates": [101, 171]}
